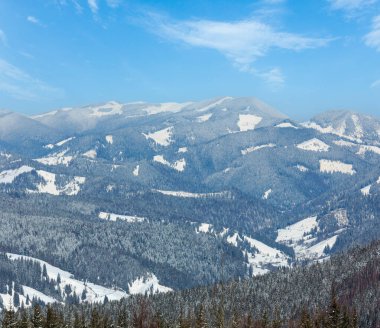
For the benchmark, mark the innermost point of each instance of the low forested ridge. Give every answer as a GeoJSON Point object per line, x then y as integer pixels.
{"type": "Point", "coordinates": [342, 292]}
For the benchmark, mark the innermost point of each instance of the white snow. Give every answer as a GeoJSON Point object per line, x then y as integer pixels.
{"type": "Point", "coordinates": [317, 250]}
{"type": "Point", "coordinates": [109, 139]}
{"type": "Point", "coordinates": [359, 133]}
{"type": "Point", "coordinates": [341, 217]}
{"type": "Point", "coordinates": [233, 240]}
{"type": "Point", "coordinates": [178, 165]}
{"type": "Point", "coordinates": [344, 143]}
{"type": "Point", "coordinates": [204, 118]}
{"type": "Point", "coordinates": [216, 103]}
{"type": "Point", "coordinates": [265, 255]}
{"type": "Point", "coordinates": [339, 131]}
{"type": "Point", "coordinates": [328, 166]}
{"type": "Point", "coordinates": [165, 107]}
{"type": "Point", "coordinates": [136, 171]}
{"type": "Point", "coordinates": [6, 155]}
{"type": "Point", "coordinates": [286, 125]}
{"type": "Point", "coordinates": [204, 227]}
{"type": "Point", "coordinates": [299, 236]}
{"type": "Point", "coordinates": [297, 231]}
{"type": "Point", "coordinates": [8, 176]}
{"type": "Point", "coordinates": [95, 293]}
{"type": "Point", "coordinates": [110, 108]}
{"type": "Point", "coordinates": [49, 186]}
{"type": "Point", "coordinates": [149, 284]}
{"type": "Point", "coordinates": [302, 168]}
{"type": "Point", "coordinates": [366, 190]}
{"type": "Point", "coordinates": [56, 159]}
{"type": "Point", "coordinates": [185, 194]}
{"type": "Point", "coordinates": [365, 148]}
{"type": "Point", "coordinates": [61, 143]}
{"type": "Point", "coordinates": [182, 150]}
{"type": "Point", "coordinates": [90, 153]}
{"type": "Point", "coordinates": [314, 145]}
{"type": "Point", "coordinates": [114, 217]}
{"type": "Point", "coordinates": [267, 193]}
{"type": "Point", "coordinates": [162, 137]}
{"type": "Point", "coordinates": [255, 148]}
{"type": "Point", "coordinates": [248, 122]}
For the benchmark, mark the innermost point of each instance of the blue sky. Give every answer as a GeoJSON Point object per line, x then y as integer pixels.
{"type": "Point", "coordinates": [302, 57]}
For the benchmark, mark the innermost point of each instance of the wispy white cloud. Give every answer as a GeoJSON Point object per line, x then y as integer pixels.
{"type": "Point", "coordinates": [242, 42]}
{"type": "Point", "coordinates": [93, 4]}
{"type": "Point", "coordinates": [372, 39]}
{"type": "Point", "coordinates": [114, 3]}
{"type": "Point", "coordinates": [3, 38]}
{"type": "Point", "coordinates": [351, 7]}
{"type": "Point", "coordinates": [33, 20]}
{"type": "Point", "coordinates": [19, 84]}
{"type": "Point", "coordinates": [375, 84]}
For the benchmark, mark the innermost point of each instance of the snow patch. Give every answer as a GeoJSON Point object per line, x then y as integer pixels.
{"type": "Point", "coordinates": [366, 190]}
{"type": "Point", "coordinates": [328, 166]}
{"type": "Point", "coordinates": [255, 148]}
{"type": "Point", "coordinates": [95, 293]}
{"type": "Point", "coordinates": [248, 122]}
{"type": "Point", "coordinates": [185, 194]}
{"type": "Point", "coordinates": [90, 154]}
{"type": "Point", "coordinates": [365, 148]}
{"type": "Point", "coordinates": [111, 108]}
{"type": "Point", "coordinates": [286, 125]}
{"type": "Point", "coordinates": [177, 165]}
{"type": "Point", "coordinates": [149, 284]}
{"type": "Point", "coordinates": [302, 168]}
{"type": "Point", "coordinates": [314, 145]}
{"type": "Point", "coordinates": [212, 105]}
{"type": "Point", "coordinates": [162, 137]}
{"type": "Point", "coordinates": [136, 171]}
{"type": "Point", "coordinates": [344, 143]}
{"type": "Point", "coordinates": [115, 217]}
{"type": "Point", "coordinates": [297, 231]}
{"type": "Point", "coordinates": [165, 107]}
{"type": "Point", "coordinates": [204, 118]}
{"type": "Point", "coordinates": [8, 176]}
{"type": "Point", "coordinates": [109, 139]}
{"type": "Point", "coordinates": [267, 193]}
{"type": "Point", "coordinates": [49, 186]}
{"type": "Point", "coordinates": [182, 150]}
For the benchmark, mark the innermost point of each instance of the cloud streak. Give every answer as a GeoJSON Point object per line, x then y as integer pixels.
{"type": "Point", "coordinates": [372, 39]}
{"type": "Point", "coordinates": [93, 4]}
{"type": "Point", "coordinates": [20, 85]}
{"type": "Point", "coordinates": [3, 38]}
{"type": "Point", "coordinates": [242, 42]}
{"type": "Point", "coordinates": [350, 5]}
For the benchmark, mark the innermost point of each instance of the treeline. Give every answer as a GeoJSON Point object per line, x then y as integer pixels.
{"type": "Point", "coordinates": [140, 314]}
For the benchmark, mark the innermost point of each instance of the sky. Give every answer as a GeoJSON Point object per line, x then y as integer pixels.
{"type": "Point", "coordinates": [301, 57]}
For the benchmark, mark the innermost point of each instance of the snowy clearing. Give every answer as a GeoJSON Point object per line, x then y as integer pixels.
{"type": "Point", "coordinates": [248, 122]}
{"type": "Point", "coordinates": [114, 217]}
{"type": "Point", "coordinates": [162, 137]}
{"type": "Point", "coordinates": [328, 166]}
{"type": "Point", "coordinates": [204, 118]}
{"type": "Point", "coordinates": [314, 145]}
{"type": "Point", "coordinates": [8, 176]}
{"type": "Point", "coordinates": [149, 284]}
{"type": "Point", "coordinates": [255, 148]}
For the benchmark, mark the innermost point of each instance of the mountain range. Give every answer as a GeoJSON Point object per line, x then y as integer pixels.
{"type": "Point", "coordinates": [178, 191]}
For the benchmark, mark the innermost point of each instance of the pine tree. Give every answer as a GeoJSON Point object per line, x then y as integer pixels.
{"type": "Point", "coordinates": [37, 320]}
{"type": "Point", "coordinates": [24, 319]}
{"type": "Point", "coordinates": [9, 319]}
{"type": "Point", "coordinates": [305, 320]}
{"type": "Point", "coordinates": [201, 318]}
{"type": "Point", "coordinates": [51, 321]}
